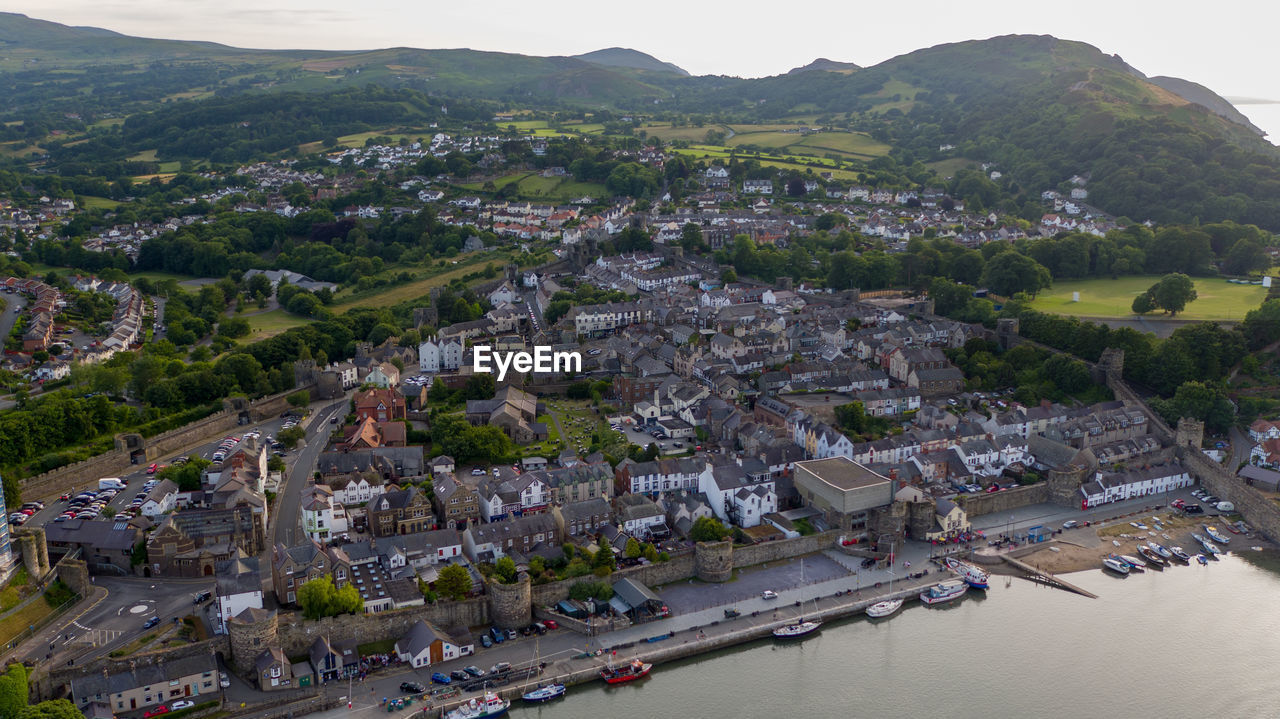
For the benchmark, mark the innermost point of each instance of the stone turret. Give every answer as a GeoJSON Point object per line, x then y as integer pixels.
{"type": "Point", "coordinates": [713, 561]}
{"type": "Point", "coordinates": [511, 605]}
{"type": "Point", "coordinates": [249, 633]}
{"type": "Point", "coordinates": [1190, 433]}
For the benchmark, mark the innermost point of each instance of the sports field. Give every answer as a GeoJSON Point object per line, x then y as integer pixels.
{"type": "Point", "coordinates": [1218, 299]}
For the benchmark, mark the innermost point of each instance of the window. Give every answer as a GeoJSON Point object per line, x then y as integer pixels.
{"type": "Point", "coordinates": [275, 671]}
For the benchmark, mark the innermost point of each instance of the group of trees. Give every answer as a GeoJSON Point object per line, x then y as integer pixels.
{"type": "Point", "coordinates": [320, 598]}
{"type": "Point", "coordinates": [15, 702]}
{"type": "Point", "coordinates": [1171, 294]}
{"type": "Point", "coordinates": [454, 436]}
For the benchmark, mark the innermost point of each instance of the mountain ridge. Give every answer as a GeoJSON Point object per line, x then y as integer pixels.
{"type": "Point", "coordinates": [629, 58]}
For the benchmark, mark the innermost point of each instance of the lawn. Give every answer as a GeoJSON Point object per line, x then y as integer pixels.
{"type": "Point", "coordinates": [854, 143]}
{"type": "Point", "coordinates": [950, 166]}
{"type": "Point", "coordinates": [270, 324]}
{"type": "Point", "coordinates": [413, 290]}
{"type": "Point", "coordinates": [1218, 299]}
{"type": "Point", "coordinates": [19, 621]}
{"type": "Point", "coordinates": [96, 203]}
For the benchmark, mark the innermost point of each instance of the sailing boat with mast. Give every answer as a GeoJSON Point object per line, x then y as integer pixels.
{"type": "Point", "coordinates": [883, 609]}
{"type": "Point", "coordinates": [800, 627]}
{"type": "Point", "coordinates": [544, 692]}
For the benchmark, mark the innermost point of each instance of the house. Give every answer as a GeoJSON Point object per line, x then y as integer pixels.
{"type": "Point", "coordinates": [1138, 482]}
{"type": "Point", "coordinates": [583, 518]}
{"type": "Point", "coordinates": [238, 587]}
{"type": "Point", "coordinates": [639, 516]}
{"type": "Point", "coordinates": [1263, 429]}
{"type": "Point", "coordinates": [107, 547]}
{"type": "Point", "coordinates": [490, 542]}
{"type": "Point", "coordinates": [322, 517]}
{"type": "Point", "coordinates": [441, 465]}
{"type": "Point", "coordinates": [757, 187]}
{"type": "Point", "coordinates": [148, 685]}
{"type": "Point", "coordinates": [400, 511]}
{"type": "Point", "coordinates": [273, 670]}
{"type": "Point", "coordinates": [456, 504]}
{"type": "Point", "coordinates": [383, 375]}
{"type": "Point", "coordinates": [505, 292]}
{"type": "Point", "coordinates": [512, 410]}
{"type": "Point", "coordinates": [291, 567]}
{"type": "Point", "coordinates": [160, 500]}
{"type": "Point", "coordinates": [439, 355]}
{"type": "Point", "coordinates": [950, 520]}
{"type": "Point", "coordinates": [382, 405]}
{"type": "Point", "coordinates": [424, 645]}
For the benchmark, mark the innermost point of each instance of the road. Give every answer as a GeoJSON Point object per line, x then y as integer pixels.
{"type": "Point", "coordinates": [8, 317]}
{"type": "Point", "coordinates": [287, 518]}
{"type": "Point", "coordinates": [117, 620]}
{"type": "Point", "coordinates": [1241, 448]}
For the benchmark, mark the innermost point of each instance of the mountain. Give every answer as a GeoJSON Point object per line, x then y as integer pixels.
{"type": "Point", "coordinates": [825, 65]}
{"type": "Point", "coordinates": [634, 59]}
{"type": "Point", "coordinates": [1201, 95]}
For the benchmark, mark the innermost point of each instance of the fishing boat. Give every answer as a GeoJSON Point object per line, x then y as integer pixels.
{"type": "Point", "coordinates": [800, 627]}
{"type": "Point", "coordinates": [1155, 561]}
{"type": "Point", "coordinates": [1202, 559]}
{"type": "Point", "coordinates": [971, 575]}
{"type": "Point", "coordinates": [879, 610]}
{"type": "Point", "coordinates": [491, 705]}
{"type": "Point", "coordinates": [1133, 562]}
{"type": "Point", "coordinates": [1211, 549]}
{"type": "Point", "coordinates": [1159, 549]}
{"type": "Point", "coordinates": [1181, 555]}
{"type": "Point", "coordinates": [627, 673]}
{"type": "Point", "coordinates": [1115, 565]}
{"type": "Point", "coordinates": [1215, 535]}
{"type": "Point", "coordinates": [544, 693]}
{"type": "Point", "coordinates": [944, 592]}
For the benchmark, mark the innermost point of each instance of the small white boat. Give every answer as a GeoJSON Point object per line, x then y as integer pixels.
{"type": "Point", "coordinates": [1054, 549]}
{"type": "Point", "coordinates": [1159, 549]}
{"type": "Point", "coordinates": [1202, 559]}
{"type": "Point", "coordinates": [796, 630]}
{"type": "Point", "coordinates": [884, 609]}
{"type": "Point", "coordinates": [1115, 565]}
{"type": "Point", "coordinates": [1216, 536]}
{"type": "Point", "coordinates": [1133, 562]}
{"type": "Point", "coordinates": [973, 576]}
{"type": "Point", "coordinates": [1116, 542]}
{"type": "Point", "coordinates": [944, 592]}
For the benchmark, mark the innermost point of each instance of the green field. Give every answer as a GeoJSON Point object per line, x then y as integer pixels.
{"type": "Point", "coordinates": [89, 202]}
{"type": "Point", "coordinates": [413, 290]}
{"type": "Point", "coordinates": [533, 186]}
{"type": "Point", "coordinates": [1218, 299]}
{"type": "Point", "coordinates": [270, 324]}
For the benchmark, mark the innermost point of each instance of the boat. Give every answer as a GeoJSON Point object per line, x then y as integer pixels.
{"type": "Point", "coordinates": [1202, 559]}
{"type": "Point", "coordinates": [1155, 561]}
{"type": "Point", "coordinates": [1115, 565]}
{"type": "Point", "coordinates": [883, 609]}
{"type": "Point", "coordinates": [1116, 542]}
{"type": "Point", "coordinates": [944, 592]}
{"type": "Point", "coordinates": [1159, 549]}
{"type": "Point", "coordinates": [491, 705]}
{"type": "Point", "coordinates": [1210, 548]}
{"type": "Point", "coordinates": [544, 693]}
{"type": "Point", "coordinates": [1177, 552]}
{"type": "Point", "coordinates": [628, 673]}
{"type": "Point", "coordinates": [800, 627]}
{"type": "Point", "coordinates": [1215, 535]}
{"type": "Point", "coordinates": [971, 575]}
{"type": "Point", "coordinates": [1232, 528]}
{"type": "Point", "coordinates": [1134, 562]}
{"type": "Point", "coordinates": [879, 610]}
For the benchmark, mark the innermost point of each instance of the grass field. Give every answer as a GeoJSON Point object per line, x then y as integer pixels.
{"type": "Point", "coordinates": [950, 166]}
{"type": "Point", "coordinates": [413, 290]}
{"type": "Point", "coordinates": [270, 324]}
{"type": "Point", "coordinates": [19, 621]}
{"type": "Point", "coordinates": [534, 186]}
{"type": "Point", "coordinates": [1218, 299]}
{"type": "Point", "coordinates": [96, 203]}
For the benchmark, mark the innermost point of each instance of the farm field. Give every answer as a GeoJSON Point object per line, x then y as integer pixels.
{"type": "Point", "coordinates": [1218, 299]}
{"type": "Point", "coordinates": [413, 290]}
{"type": "Point", "coordinates": [272, 323]}
{"type": "Point", "coordinates": [534, 186]}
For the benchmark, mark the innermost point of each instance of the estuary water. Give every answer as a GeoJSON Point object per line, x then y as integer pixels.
{"type": "Point", "coordinates": [1191, 641]}
{"type": "Point", "coordinates": [1265, 116]}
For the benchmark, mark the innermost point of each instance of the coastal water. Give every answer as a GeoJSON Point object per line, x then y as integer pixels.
{"type": "Point", "coordinates": [1191, 642]}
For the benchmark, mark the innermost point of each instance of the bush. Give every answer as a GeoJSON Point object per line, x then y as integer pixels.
{"type": "Point", "coordinates": [58, 594]}
{"type": "Point", "coordinates": [591, 590]}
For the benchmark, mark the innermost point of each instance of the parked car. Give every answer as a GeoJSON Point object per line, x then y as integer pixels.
{"type": "Point", "coordinates": [202, 597]}
{"type": "Point", "coordinates": [439, 678]}
{"type": "Point", "coordinates": [1070, 524]}
{"type": "Point", "coordinates": [1193, 509]}
{"type": "Point", "coordinates": [498, 635]}
{"type": "Point", "coordinates": [412, 687]}
{"type": "Point", "coordinates": [551, 624]}
{"type": "Point", "coordinates": [485, 641]}
{"type": "Point", "coordinates": [151, 623]}
{"type": "Point", "coordinates": [182, 704]}
{"type": "Point", "coordinates": [500, 667]}
{"type": "Point", "coordinates": [511, 634]}
{"type": "Point", "coordinates": [474, 670]}
{"type": "Point", "coordinates": [223, 681]}
{"type": "Point", "coordinates": [155, 711]}
{"type": "Point", "coordinates": [768, 594]}
{"type": "Point", "coordinates": [459, 675]}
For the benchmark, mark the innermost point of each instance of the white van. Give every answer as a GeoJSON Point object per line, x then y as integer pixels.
{"type": "Point", "coordinates": [110, 483]}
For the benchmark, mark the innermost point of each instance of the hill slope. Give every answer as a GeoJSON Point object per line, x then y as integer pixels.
{"type": "Point", "coordinates": [626, 57]}
{"type": "Point", "coordinates": [826, 65]}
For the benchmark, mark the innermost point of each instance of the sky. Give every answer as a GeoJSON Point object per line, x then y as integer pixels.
{"type": "Point", "coordinates": [1226, 45]}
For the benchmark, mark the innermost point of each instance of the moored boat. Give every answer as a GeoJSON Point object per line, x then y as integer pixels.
{"type": "Point", "coordinates": [971, 575]}
{"type": "Point", "coordinates": [544, 693]}
{"type": "Point", "coordinates": [884, 609]}
{"type": "Point", "coordinates": [944, 592]}
{"type": "Point", "coordinates": [1155, 561]}
{"type": "Point", "coordinates": [796, 630]}
{"type": "Point", "coordinates": [1134, 563]}
{"type": "Point", "coordinates": [1115, 565]}
{"type": "Point", "coordinates": [627, 673]}
{"type": "Point", "coordinates": [1202, 559]}
{"type": "Point", "coordinates": [1160, 549]}
{"type": "Point", "coordinates": [1180, 554]}
{"type": "Point", "coordinates": [1216, 536]}
{"type": "Point", "coordinates": [491, 705]}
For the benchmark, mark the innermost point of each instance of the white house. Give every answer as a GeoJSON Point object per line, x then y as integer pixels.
{"type": "Point", "coordinates": [163, 498]}
{"type": "Point", "coordinates": [736, 496]}
{"type": "Point", "coordinates": [505, 292]}
{"type": "Point", "coordinates": [356, 490]}
{"type": "Point", "coordinates": [424, 645]}
{"type": "Point", "coordinates": [436, 355]}
{"type": "Point", "coordinates": [239, 587]}
{"type": "Point", "coordinates": [1141, 482]}
{"type": "Point", "coordinates": [321, 516]}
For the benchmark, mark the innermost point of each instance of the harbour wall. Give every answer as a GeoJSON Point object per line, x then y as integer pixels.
{"type": "Point", "coordinates": [296, 635]}
{"type": "Point", "coordinates": [1259, 510]}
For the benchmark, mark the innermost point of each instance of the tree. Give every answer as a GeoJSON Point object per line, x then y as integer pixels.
{"type": "Point", "coordinates": [690, 237]}
{"type": "Point", "coordinates": [454, 582]}
{"type": "Point", "coordinates": [51, 709]}
{"type": "Point", "coordinates": [301, 398]}
{"type": "Point", "coordinates": [795, 187]}
{"type": "Point", "coordinates": [13, 691]}
{"type": "Point", "coordinates": [234, 327]}
{"type": "Point", "coordinates": [1070, 375]}
{"type": "Point", "coordinates": [632, 549]}
{"type": "Point", "coordinates": [346, 600]}
{"type": "Point", "coordinates": [505, 570]}
{"type": "Point", "coordinates": [316, 596]}
{"type": "Point", "coordinates": [1143, 304]}
{"type": "Point", "coordinates": [708, 529]}
{"type": "Point", "coordinates": [1173, 292]}
{"type": "Point", "coordinates": [290, 437]}
{"type": "Point", "coordinates": [650, 552]}
{"type": "Point", "coordinates": [604, 562]}
{"type": "Point", "coordinates": [1011, 272]}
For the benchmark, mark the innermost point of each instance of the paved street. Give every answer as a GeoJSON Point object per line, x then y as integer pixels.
{"type": "Point", "coordinates": [287, 519]}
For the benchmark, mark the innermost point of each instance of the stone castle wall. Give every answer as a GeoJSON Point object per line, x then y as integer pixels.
{"type": "Point", "coordinates": [976, 505]}
{"type": "Point", "coordinates": [510, 605]}
{"type": "Point", "coordinates": [713, 561]}
{"type": "Point", "coordinates": [296, 635]}
{"type": "Point", "coordinates": [58, 679]}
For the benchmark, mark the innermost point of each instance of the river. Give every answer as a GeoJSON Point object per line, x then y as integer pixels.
{"type": "Point", "coordinates": [1191, 642]}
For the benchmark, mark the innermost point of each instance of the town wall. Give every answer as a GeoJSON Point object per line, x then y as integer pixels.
{"type": "Point", "coordinates": [713, 561]}
{"type": "Point", "coordinates": [651, 575]}
{"type": "Point", "coordinates": [119, 460]}
{"type": "Point", "coordinates": [976, 505]}
{"type": "Point", "coordinates": [1257, 508]}
{"type": "Point", "coordinates": [296, 635]}
{"type": "Point", "coordinates": [783, 549]}
{"type": "Point", "coordinates": [510, 605]}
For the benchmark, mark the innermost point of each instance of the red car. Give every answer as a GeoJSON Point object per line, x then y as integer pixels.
{"type": "Point", "coordinates": [551, 624]}
{"type": "Point", "coordinates": [1179, 503]}
{"type": "Point", "coordinates": [64, 498]}
{"type": "Point", "coordinates": [151, 469]}
{"type": "Point", "coordinates": [162, 709]}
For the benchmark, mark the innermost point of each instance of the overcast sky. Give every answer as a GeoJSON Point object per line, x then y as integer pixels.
{"type": "Point", "coordinates": [1227, 45]}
